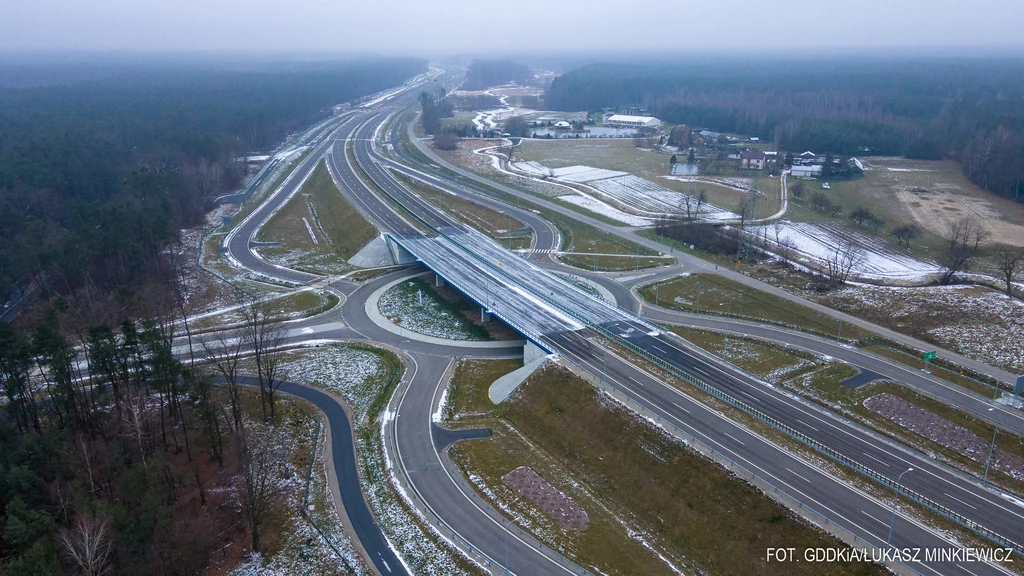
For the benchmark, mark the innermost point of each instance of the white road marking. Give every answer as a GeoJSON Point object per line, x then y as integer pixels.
{"type": "Point", "coordinates": [808, 425]}
{"type": "Point", "coordinates": [959, 500]}
{"type": "Point", "coordinates": [680, 407]}
{"type": "Point", "coordinates": [797, 475]}
{"type": "Point", "coordinates": [875, 459]}
{"type": "Point", "coordinates": [634, 380]}
{"type": "Point", "coordinates": [734, 438]}
{"type": "Point", "coordinates": [875, 519]}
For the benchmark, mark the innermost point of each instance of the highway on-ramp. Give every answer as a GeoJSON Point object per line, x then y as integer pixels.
{"type": "Point", "coordinates": [840, 502]}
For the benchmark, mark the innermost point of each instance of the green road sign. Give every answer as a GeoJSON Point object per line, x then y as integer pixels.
{"type": "Point", "coordinates": [929, 356]}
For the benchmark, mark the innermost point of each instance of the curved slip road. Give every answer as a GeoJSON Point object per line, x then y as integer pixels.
{"type": "Point", "coordinates": [834, 491]}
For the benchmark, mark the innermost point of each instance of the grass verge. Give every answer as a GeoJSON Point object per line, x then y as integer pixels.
{"type": "Point", "coordinates": [317, 229]}
{"type": "Point", "coordinates": [500, 227]}
{"type": "Point", "coordinates": [713, 294]}
{"type": "Point", "coordinates": [655, 506]}
{"type": "Point", "coordinates": [822, 383]}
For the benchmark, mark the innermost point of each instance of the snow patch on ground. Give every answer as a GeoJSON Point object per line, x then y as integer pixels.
{"type": "Point", "coordinates": [816, 243]}
{"type": "Point", "coordinates": [979, 323]}
{"type": "Point", "coordinates": [402, 305]}
{"type": "Point", "coordinates": [342, 368]}
{"type": "Point", "coordinates": [603, 209]}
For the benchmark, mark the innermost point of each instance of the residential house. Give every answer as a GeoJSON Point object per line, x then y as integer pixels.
{"type": "Point", "coordinates": [752, 160]}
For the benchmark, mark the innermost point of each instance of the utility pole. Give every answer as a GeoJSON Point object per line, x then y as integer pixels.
{"type": "Point", "coordinates": [698, 296]}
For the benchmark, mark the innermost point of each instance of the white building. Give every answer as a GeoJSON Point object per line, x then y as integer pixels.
{"type": "Point", "coordinates": [812, 171]}
{"type": "Point", "coordinates": [562, 125]}
{"type": "Point", "coordinates": [624, 121]}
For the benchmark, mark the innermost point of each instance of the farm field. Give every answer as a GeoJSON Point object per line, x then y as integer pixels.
{"type": "Point", "coordinates": [317, 229]}
{"type": "Point", "coordinates": [815, 243]}
{"type": "Point", "coordinates": [619, 155]}
{"type": "Point", "coordinates": [930, 194]}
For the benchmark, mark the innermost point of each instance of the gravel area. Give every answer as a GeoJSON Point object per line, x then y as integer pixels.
{"type": "Point", "coordinates": [555, 503]}
{"type": "Point", "coordinates": [946, 433]}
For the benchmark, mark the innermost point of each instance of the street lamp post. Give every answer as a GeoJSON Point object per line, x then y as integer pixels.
{"type": "Point", "coordinates": [892, 522]}
{"type": "Point", "coordinates": [992, 449]}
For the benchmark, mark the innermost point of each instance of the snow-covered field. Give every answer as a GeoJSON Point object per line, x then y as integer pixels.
{"type": "Point", "coordinates": [646, 196]}
{"type": "Point", "coordinates": [623, 190]}
{"type": "Point", "coordinates": [816, 243]}
{"type": "Point", "coordinates": [424, 312]}
{"type": "Point", "coordinates": [595, 205]}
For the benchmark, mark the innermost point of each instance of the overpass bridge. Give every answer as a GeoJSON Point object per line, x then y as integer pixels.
{"type": "Point", "coordinates": [558, 317]}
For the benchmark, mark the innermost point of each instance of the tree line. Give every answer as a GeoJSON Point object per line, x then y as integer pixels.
{"type": "Point", "coordinates": [486, 73]}
{"type": "Point", "coordinates": [97, 177]}
{"type": "Point", "coordinates": [118, 450]}
{"type": "Point", "coordinates": [969, 110]}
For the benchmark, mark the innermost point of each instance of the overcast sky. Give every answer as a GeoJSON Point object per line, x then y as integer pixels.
{"type": "Point", "coordinates": [431, 27]}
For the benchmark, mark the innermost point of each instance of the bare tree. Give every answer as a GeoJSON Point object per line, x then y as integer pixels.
{"type": "Point", "coordinates": [265, 472]}
{"type": "Point", "coordinates": [746, 209]}
{"type": "Point", "coordinates": [224, 353]}
{"type": "Point", "coordinates": [964, 238]}
{"type": "Point", "coordinates": [786, 248]}
{"type": "Point", "coordinates": [778, 226]}
{"type": "Point", "coordinates": [702, 198]}
{"type": "Point", "coordinates": [841, 262]}
{"type": "Point", "coordinates": [136, 421]}
{"type": "Point", "coordinates": [688, 204]}
{"type": "Point", "coordinates": [1009, 261]}
{"type": "Point", "coordinates": [88, 544]}
{"type": "Point", "coordinates": [266, 336]}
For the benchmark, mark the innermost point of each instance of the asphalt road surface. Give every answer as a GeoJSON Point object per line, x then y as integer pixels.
{"type": "Point", "coordinates": [856, 511]}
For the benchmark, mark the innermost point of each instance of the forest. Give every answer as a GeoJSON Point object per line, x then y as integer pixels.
{"type": "Point", "coordinates": [968, 109]}
{"type": "Point", "coordinates": [486, 73]}
{"type": "Point", "coordinates": [98, 176]}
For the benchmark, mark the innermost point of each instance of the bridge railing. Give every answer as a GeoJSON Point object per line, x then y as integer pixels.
{"type": "Point", "coordinates": [817, 446]}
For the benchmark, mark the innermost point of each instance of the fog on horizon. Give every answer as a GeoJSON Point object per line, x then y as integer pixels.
{"type": "Point", "coordinates": [468, 26]}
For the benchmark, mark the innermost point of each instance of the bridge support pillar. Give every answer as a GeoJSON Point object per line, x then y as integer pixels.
{"type": "Point", "coordinates": [485, 316]}
{"type": "Point", "coordinates": [533, 357]}
{"type": "Point", "coordinates": [531, 352]}
{"type": "Point", "coordinates": [399, 255]}
{"type": "Point", "coordinates": [438, 281]}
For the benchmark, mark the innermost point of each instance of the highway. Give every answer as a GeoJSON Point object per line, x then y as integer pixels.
{"type": "Point", "coordinates": [457, 247]}
{"type": "Point", "coordinates": [691, 262]}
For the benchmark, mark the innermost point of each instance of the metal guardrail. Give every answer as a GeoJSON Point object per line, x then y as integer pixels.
{"type": "Point", "coordinates": [446, 530]}
{"type": "Point", "coordinates": [827, 451]}
{"type": "Point", "coordinates": [779, 494]}
{"type": "Point", "coordinates": [819, 447]}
